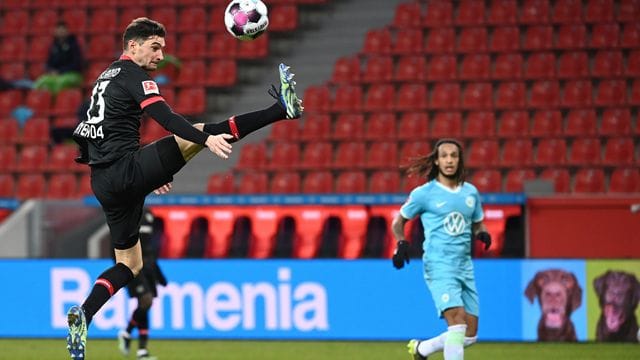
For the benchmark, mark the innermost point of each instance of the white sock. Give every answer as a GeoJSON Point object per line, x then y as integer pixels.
{"type": "Point", "coordinates": [454, 344]}
{"type": "Point", "coordinates": [436, 344]}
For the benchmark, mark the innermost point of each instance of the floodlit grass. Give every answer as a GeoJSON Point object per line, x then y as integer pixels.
{"type": "Point", "coordinates": [42, 349]}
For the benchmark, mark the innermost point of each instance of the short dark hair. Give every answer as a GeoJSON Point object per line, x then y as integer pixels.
{"type": "Point", "coordinates": [141, 29]}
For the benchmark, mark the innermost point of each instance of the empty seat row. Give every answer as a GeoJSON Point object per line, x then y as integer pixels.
{"type": "Point", "coordinates": [39, 158]}
{"type": "Point", "coordinates": [500, 39]}
{"type": "Point", "coordinates": [56, 186]}
{"type": "Point", "coordinates": [505, 12]}
{"type": "Point", "coordinates": [43, 103]}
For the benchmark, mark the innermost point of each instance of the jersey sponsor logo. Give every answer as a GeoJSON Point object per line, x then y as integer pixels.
{"type": "Point", "coordinates": [454, 224]}
{"type": "Point", "coordinates": [150, 87]}
{"type": "Point", "coordinates": [470, 201]}
{"type": "Point", "coordinates": [109, 74]}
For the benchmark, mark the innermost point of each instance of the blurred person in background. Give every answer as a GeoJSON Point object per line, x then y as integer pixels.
{"type": "Point", "coordinates": [452, 215]}
{"type": "Point", "coordinates": [65, 62]}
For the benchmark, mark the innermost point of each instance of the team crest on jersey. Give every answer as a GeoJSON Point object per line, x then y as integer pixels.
{"type": "Point", "coordinates": [109, 74]}
{"type": "Point", "coordinates": [150, 87]}
{"type": "Point", "coordinates": [470, 201]}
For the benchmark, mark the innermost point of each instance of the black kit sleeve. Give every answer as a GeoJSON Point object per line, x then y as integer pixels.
{"type": "Point", "coordinates": [162, 113]}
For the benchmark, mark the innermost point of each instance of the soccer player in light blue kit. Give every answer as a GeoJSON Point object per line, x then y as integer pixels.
{"type": "Point", "coordinates": [452, 215]}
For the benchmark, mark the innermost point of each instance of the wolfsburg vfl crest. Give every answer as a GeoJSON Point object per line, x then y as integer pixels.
{"type": "Point", "coordinates": [454, 223]}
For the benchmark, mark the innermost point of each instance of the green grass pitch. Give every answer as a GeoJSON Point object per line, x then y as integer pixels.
{"type": "Point", "coordinates": [39, 349]}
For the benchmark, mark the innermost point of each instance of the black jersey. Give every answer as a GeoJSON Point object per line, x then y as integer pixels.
{"type": "Point", "coordinates": [119, 96]}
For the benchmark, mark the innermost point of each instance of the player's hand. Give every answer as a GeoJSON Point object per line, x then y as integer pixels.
{"type": "Point", "coordinates": [485, 237]}
{"type": "Point", "coordinates": [218, 145]}
{"type": "Point", "coordinates": [401, 254]}
{"type": "Point", "coordinates": [163, 189]}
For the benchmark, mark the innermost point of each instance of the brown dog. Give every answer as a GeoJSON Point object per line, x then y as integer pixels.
{"type": "Point", "coordinates": [618, 293]}
{"type": "Point", "coordinates": [559, 294]}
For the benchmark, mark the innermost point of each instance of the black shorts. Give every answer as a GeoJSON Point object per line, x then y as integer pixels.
{"type": "Point", "coordinates": [122, 186]}
{"type": "Point", "coordinates": [142, 284]}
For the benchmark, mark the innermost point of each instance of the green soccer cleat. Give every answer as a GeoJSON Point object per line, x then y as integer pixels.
{"type": "Point", "coordinates": [287, 93]}
{"type": "Point", "coordinates": [124, 342]}
{"type": "Point", "coordinates": [412, 349]}
{"type": "Point", "coordinates": [77, 338]}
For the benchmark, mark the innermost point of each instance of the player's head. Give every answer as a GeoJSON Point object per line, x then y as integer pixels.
{"type": "Point", "coordinates": [445, 160]}
{"type": "Point", "coordinates": [143, 41]}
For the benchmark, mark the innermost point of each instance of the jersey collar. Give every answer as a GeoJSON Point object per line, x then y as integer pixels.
{"type": "Point", "coordinates": [454, 190]}
{"type": "Point", "coordinates": [125, 57]}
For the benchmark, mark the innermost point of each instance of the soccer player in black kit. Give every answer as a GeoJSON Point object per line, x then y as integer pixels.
{"type": "Point", "coordinates": [123, 173]}
{"type": "Point", "coordinates": [143, 288]}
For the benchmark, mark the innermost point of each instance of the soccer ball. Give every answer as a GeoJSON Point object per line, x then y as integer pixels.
{"type": "Point", "coordinates": [246, 19]}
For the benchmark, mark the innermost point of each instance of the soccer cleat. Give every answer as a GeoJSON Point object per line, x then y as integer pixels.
{"type": "Point", "coordinates": [143, 354]}
{"type": "Point", "coordinates": [77, 338]}
{"type": "Point", "coordinates": [412, 348]}
{"type": "Point", "coordinates": [287, 94]}
{"type": "Point", "coordinates": [124, 341]}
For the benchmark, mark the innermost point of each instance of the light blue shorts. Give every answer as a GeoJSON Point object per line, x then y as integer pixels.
{"type": "Point", "coordinates": [454, 290]}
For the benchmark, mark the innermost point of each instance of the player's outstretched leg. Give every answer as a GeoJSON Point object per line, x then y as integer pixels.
{"type": "Point", "coordinates": [412, 348]}
{"type": "Point", "coordinates": [124, 342]}
{"type": "Point", "coordinates": [77, 338]}
{"type": "Point", "coordinates": [287, 93]}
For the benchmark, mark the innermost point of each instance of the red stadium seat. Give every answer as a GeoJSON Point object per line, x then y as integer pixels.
{"type": "Point", "coordinates": [487, 181]}
{"type": "Point", "coordinates": [483, 153]}
{"type": "Point", "coordinates": [166, 15]}
{"type": "Point", "coordinates": [215, 23]}
{"type": "Point", "coordinates": [385, 181]}
{"type": "Point", "coordinates": [439, 13]}
{"type": "Point", "coordinates": [76, 19]}
{"type": "Point", "coordinates": [517, 152]}
{"type": "Point", "coordinates": [43, 22]}
{"type": "Point", "coordinates": [573, 64]}
{"type": "Point", "coordinates": [538, 38]}
{"type": "Point", "coordinates": [351, 182]}
{"type": "Point", "coordinates": [317, 155]}
{"type": "Point", "coordinates": [589, 181]}
{"type": "Point", "coordinates": [9, 100]}
{"type": "Point", "coordinates": [625, 180]}
{"type": "Point", "coordinates": [14, 49]}
{"type": "Point", "coordinates": [62, 186]}
{"type": "Point", "coordinates": [253, 183]}
{"type": "Point", "coordinates": [378, 69]}
{"type": "Point", "coordinates": [546, 123]}
{"type": "Point", "coordinates": [411, 97]}
{"type": "Point", "coordinates": [616, 122]}
{"type": "Point", "coordinates": [222, 183]}
{"type": "Point", "coordinates": [411, 182]}
{"type": "Point", "coordinates": [411, 69]}
{"type": "Point", "coordinates": [255, 49]}
{"type": "Point", "coordinates": [475, 67]}
{"type": "Point", "coordinates": [285, 183]}
{"type": "Point", "coordinates": [284, 156]}
{"type": "Point", "coordinates": [514, 124]}
{"type": "Point", "coordinates": [446, 124]}
{"type": "Point", "coordinates": [346, 70]}
{"type": "Point", "coordinates": [581, 122]}
{"type": "Point", "coordinates": [9, 131]}
{"type": "Point", "coordinates": [473, 40]}
{"type": "Point", "coordinates": [413, 126]}
{"type": "Point", "coordinates": [567, 11]}
{"type": "Point", "coordinates": [7, 186]}
{"type": "Point", "coordinates": [505, 39]}
{"type": "Point", "coordinates": [619, 151]}
{"type": "Point", "coordinates": [61, 158]}
{"type": "Point", "coordinates": [599, 11]}
{"type": "Point", "coordinates": [514, 181]}
{"type": "Point", "coordinates": [222, 73]}
{"type": "Point", "coordinates": [381, 126]}
{"type": "Point", "coordinates": [470, 13]}
{"type": "Point", "coordinates": [130, 12]}
{"type": "Point", "coordinates": [407, 41]}
{"type": "Point", "coordinates": [380, 97]}
{"type": "Point", "coordinates": [103, 47]}
{"type": "Point", "coordinates": [222, 46]}
{"type": "Point", "coordinates": [445, 96]}
{"type": "Point", "coordinates": [608, 64]}
{"type": "Point", "coordinates": [382, 155]}
{"type": "Point", "coordinates": [560, 177]}
{"type": "Point", "coordinates": [15, 22]}
{"type": "Point", "coordinates": [630, 35]}
{"type": "Point", "coordinates": [152, 131]}
{"type": "Point", "coordinates": [283, 18]}
{"type": "Point", "coordinates": [628, 11]}
{"type": "Point", "coordinates": [317, 98]}
{"type": "Point", "coordinates": [508, 67]}
{"type": "Point", "coordinates": [347, 98]}
{"type": "Point", "coordinates": [535, 12]}
{"type": "Point", "coordinates": [39, 49]}
{"type": "Point", "coordinates": [407, 15]}
{"type": "Point", "coordinates": [577, 93]}
{"type": "Point", "coordinates": [604, 35]}
{"type": "Point", "coordinates": [551, 152]}
{"type": "Point", "coordinates": [284, 131]}
{"type": "Point", "coordinates": [480, 124]}
{"type": "Point", "coordinates": [93, 71]}
{"type": "Point", "coordinates": [192, 46]}
{"type": "Point", "coordinates": [192, 73]}
{"type": "Point", "coordinates": [633, 64]}
{"type": "Point", "coordinates": [572, 37]}
{"type": "Point", "coordinates": [191, 101]}
{"type": "Point", "coordinates": [541, 65]}
{"type": "Point", "coordinates": [39, 101]}
{"type": "Point", "coordinates": [442, 68]}
{"type": "Point", "coordinates": [585, 151]}
{"type": "Point", "coordinates": [349, 127]}
{"type": "Point", "coordinates": [544, 94]}
{"type": "Point", "coordinates": [13, 71]}
{"type": "Point", "coordinates": [316, 127]}
{"type": "Point", "coordinates": [503, 12]}
{"type": "Point", "coordinates": [32, 158]}
{"type": "Point", "coordinates": [8, 158]}
{"type": "Point", "coordinates": [350, 155]}
{"type": "Point", "coordinates": [440, 40]}
{"type": "Point", "coordinates": [35, 131]}
{"type": "Point", "coordinates": [611, 93]}
{"type": "Point", "coordinates": [103, 20]}
{"type": "Point", "coordinates": [377, 41]}
{"type": "Point", "coordinates": [477, 96]}
{"type": "Point", "coordinates": [634, 98]}
{"type": "Point", "coordinates": [413, 149]}
{"type": "Point", "coordinates": [510, 95]}
{"type": "Point", "coordinates": [318, 182]}
{"type": "Point", "coordinates": [31, 186]}
{"type": "Point", "coordinates": [252, 157]}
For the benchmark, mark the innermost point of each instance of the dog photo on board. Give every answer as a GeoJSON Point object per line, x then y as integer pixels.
{"type": "Point", "coordinates": [618, 293]}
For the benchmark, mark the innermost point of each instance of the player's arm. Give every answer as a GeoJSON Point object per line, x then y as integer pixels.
{"type": "Point", "coordinates": [409, 209]}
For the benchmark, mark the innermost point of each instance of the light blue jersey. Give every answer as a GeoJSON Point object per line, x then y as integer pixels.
{"type": "Point", "coordinates": [447, 215]}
